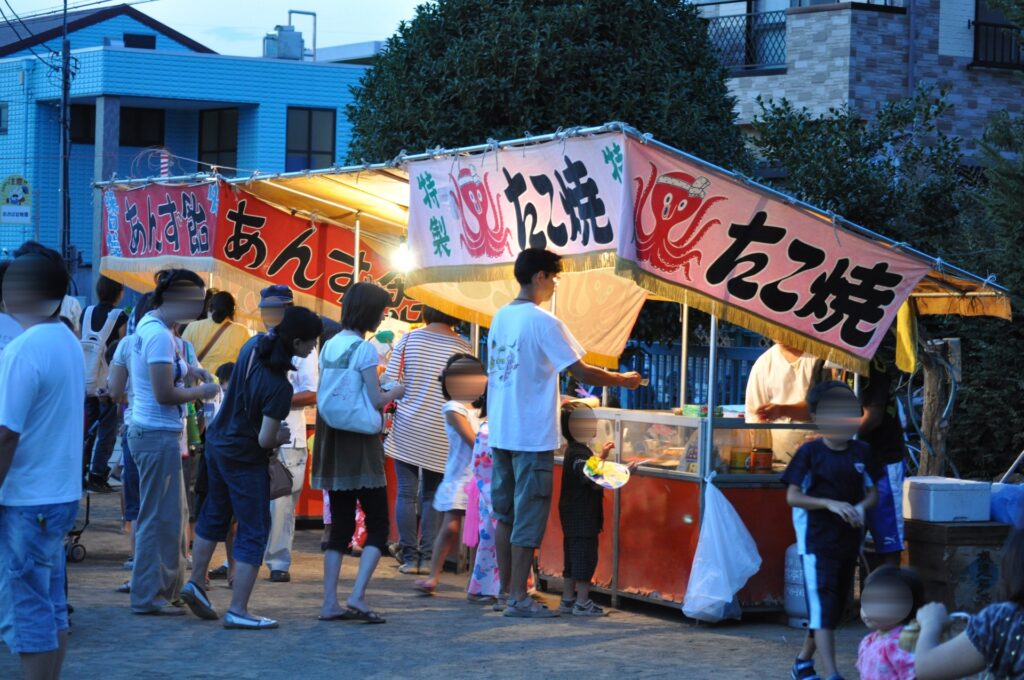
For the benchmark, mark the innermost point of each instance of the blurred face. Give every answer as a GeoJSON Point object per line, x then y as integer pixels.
{"type": "Point", "coordinates": [271, 316]}
{"type": "Point", "coordinates": [465, 381]}
{"type": "Point", "coordinates": [583, 425]}
{"type": "Point", "coordinates": [183, 303]}
{"type": "Point", "coordinates": [303, 348]}
{"type": "Point", "coordinates": [838, 415]}
{"type": "Point", "coordinates": [545, 284]}
{"type": "Point", "coordinates": [884, 606]}
{"type": "Point", "coordinates": [25, 279]}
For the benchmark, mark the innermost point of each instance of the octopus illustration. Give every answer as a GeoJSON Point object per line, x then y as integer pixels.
{"type": "Point", "coordinates": [478, 207]}
{"type": "Point", "coordinates": [678, 203]}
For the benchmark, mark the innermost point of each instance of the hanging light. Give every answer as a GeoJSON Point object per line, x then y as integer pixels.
{"type": "Point", "coordinates": [402, 259]}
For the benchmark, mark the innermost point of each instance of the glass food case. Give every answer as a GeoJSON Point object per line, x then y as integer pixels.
{"type": "Point", "coordinates": [652, 524]}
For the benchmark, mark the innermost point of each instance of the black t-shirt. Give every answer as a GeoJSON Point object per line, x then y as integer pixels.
{"type": "Point", "coordinates": [822, 472]}
{"type": "Point", "coordinates": [234, 432]}
{"type": "Point", "coordinates": [580, 505]}
{"type": "Point", "coordinates": [886, 440]}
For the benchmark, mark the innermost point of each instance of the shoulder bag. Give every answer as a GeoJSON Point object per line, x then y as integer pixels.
{"type": "Point", "coordinates": [342, 400]}
{"type": "Point", "coordinates": [212, 341]}
{"type": "Point", "coordinates": [281, 478]}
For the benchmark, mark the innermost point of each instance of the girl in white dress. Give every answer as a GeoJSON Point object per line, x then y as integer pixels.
{"type": "Point", "coordinates": [463, 384]}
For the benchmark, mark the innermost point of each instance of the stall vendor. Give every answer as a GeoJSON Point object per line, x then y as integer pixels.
{"type": "Point", "coordinates": [777, 393]}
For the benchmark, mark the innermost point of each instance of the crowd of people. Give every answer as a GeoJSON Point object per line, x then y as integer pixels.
{"type": "Point", "coordinates": [213, 417]}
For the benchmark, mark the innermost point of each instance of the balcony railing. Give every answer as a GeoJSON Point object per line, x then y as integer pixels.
{"type": "Point", "coordinates": [749, 41]}
{"type": "Point", "coordinates": [997, 46]}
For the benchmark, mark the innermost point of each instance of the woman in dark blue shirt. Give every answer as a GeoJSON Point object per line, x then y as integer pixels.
{"type": "Point", "coordinates": [239, 444]}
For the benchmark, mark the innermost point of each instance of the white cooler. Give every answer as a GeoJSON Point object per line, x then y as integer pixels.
{"type": "Point", "coordinates": [941, 499]}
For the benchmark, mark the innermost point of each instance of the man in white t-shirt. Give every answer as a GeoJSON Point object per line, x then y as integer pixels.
{"type": "Point", "coordinates": [777, 393]}
{"type": "Point", "coordinates": [273, 301]}
{"type": "Point", "coordinates": [42, 380]}
{"type": "Point", "coordinates": [527, 348]}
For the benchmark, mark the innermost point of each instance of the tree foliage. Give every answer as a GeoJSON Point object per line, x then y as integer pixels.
{"type": "Point", "coordinates": [464, 71]}
{"type": "Point", "coordinates": [899, 175]}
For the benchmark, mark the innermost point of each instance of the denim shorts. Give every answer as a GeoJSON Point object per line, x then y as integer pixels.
{"type": "Point", "coordinates": [521, 493]}
{"type": "Point", "coordinates": [241, 491]}
{"type": "Point", "coordinates": [35, 607]}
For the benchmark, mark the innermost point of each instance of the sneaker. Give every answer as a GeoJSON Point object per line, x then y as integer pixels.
{"type": "Point", "coordinates": [129, 564]}
{"type": "Point", "coordinates": [97, 485]}
{"type": "Point", "coordinates": [409, 568]}
{"type": "Point", "coordinates": [280, 576]}
{"type": "Point", "coordinates": [528, 609]}
{"type": "Point", "coordinates": [565, 606]}
{"type": "Point", "coordinates": [218, 573]}
{"type": "Point", "coordinates": [803, 669]}
{"type": "Point", "coordinates": [395, 550]}
{"type": "Point", "coordinates": [587, 608]}
{"type": "Point", "coordinates": [196, 599]}
{"type": "Point", "coordinates": [125, 588]}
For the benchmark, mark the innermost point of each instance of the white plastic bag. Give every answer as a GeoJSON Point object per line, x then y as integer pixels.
{"type": "Point", "coordinates": [726, 557]}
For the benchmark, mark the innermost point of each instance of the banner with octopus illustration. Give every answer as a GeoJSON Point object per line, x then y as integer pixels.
{"type": "Point", "coordinates": [676, 227]}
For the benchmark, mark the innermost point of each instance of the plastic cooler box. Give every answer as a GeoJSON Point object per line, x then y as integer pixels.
{"type": "Point", "coordinates": [941, 499]}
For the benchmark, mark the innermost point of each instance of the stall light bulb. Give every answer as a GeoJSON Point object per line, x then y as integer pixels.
{"type": "Point", "coordinates": [402, 259]}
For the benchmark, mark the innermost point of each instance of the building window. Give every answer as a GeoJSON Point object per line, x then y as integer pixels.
{"type": "Point", "coordinates": [997, 42]}
{"type": "Point", "coordinates": [748, 34]}
{"type": "Point", "coordinates": [142, 127]}
{"type": "Point", "coordinates": [83, 124]}
{"type": "Point", "coordinates": [218, 138]}
{"type": "Point", "coordinates": [4, 115]}
{"type": "Point", "coordinates": [310, 139]}
{"type": "Point", "coordinates": [140, 41]}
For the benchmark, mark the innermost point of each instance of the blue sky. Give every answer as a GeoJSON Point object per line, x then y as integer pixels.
{"type": "Point", "coordinates": [238, 26]}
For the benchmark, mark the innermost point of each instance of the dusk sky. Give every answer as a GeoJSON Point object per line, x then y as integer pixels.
{"type": "Point", "coordinates": [238, 27]}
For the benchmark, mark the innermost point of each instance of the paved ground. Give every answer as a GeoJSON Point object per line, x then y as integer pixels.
{"type": "Point", "coordinates": [439, 637]}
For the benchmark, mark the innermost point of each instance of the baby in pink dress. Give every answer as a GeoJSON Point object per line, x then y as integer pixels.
{"type": "Point", "coordinates": [890, 600]}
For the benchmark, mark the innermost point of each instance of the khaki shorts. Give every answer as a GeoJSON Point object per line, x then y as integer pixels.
{"type": "Point", "coordinates": [521, 493]}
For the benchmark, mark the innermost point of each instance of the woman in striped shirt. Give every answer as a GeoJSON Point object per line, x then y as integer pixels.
{"type": "Point", "coordinates": [417, 442]}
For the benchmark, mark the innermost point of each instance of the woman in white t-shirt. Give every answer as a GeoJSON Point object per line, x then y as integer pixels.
{"type": "Point", "coordinates": [158, 375]}
{"type": "Point", "coordinates": [463, 384]}
{"type": "Point", "coordinates": [350, 465]}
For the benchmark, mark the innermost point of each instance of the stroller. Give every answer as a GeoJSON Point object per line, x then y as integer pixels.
{"type": "Point", "coordinates": [73, 545]}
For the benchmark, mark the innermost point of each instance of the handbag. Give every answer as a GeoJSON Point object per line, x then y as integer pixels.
{"type": "Point", "coordinates": [281, 478]}
{"type": "Point", "coordinates": [342, 400]}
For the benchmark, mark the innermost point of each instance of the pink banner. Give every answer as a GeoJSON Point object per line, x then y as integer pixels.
{"type": "Point", "coordinates": [754, 251]}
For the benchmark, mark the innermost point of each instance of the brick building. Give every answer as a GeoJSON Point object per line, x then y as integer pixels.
{"type": "Point", "coordinates": [139, 85]}
{"type": "Point", "coordinates": [822, 53]}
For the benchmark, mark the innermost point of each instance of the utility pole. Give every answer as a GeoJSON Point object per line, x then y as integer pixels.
{"type": "Point", "coordinates": [65, 145]}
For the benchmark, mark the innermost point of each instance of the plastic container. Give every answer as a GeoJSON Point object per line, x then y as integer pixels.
{"type": "Point", "coordinates": [1008, 504]}
{"type": "Point", "coordinates": [794, 597]}
{"type": "Point", "coordinates": [941, 499]}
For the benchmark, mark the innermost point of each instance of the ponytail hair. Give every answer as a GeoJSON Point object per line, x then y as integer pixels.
{"type": "Point", "coordinates": [276, 348]}
{"type": "Point", "coordinates": [222, 306]}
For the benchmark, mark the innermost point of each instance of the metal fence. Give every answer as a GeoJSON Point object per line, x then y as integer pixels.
{"type": "Point", "coordinates": [749, 41]}
{"type": "Point", "coordinates": [997, 46]}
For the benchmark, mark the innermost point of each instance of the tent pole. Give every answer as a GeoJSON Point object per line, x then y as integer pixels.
{"type": "Point", "coordinates": [474, 338]}
{"type": "Point", "coordinates": [710, 427]}
{"type": "Point", "coordinates": [355, 254]}
{"type": "Point", "coordinates": [684, 352]}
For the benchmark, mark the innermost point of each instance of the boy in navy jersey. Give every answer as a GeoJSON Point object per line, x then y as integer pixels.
{"type": "Point", "coordinates": [830, 489]}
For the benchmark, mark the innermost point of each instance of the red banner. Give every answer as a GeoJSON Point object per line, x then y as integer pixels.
{"type": "Point", "coordinates": [244, 236]}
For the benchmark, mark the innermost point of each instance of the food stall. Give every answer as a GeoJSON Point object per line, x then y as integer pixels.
{"type": "Point", "coordinates": [634, 220]}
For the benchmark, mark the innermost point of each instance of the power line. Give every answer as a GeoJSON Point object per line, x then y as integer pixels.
{"type": "Point", "coordinates": [83, 5]}
{"type": "Point", "coordinates": [29, 47]}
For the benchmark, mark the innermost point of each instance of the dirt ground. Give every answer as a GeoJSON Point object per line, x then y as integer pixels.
{"type": "Point", "coordinates": [425, 637]}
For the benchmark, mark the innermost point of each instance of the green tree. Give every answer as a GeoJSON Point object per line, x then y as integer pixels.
{"type": "Point", "coordinates": [463, 71]}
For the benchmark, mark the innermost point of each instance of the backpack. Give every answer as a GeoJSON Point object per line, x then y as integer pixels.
{"type": "Point", "coordinates": [341, 399]}
{"type": "Point", "coordinates": [94, 349]}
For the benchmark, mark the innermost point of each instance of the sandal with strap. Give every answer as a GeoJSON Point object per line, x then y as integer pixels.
{"type": "Point", "coordinates": [424, 587]}
{"type": "Point", "coordinates": [532, 610]}
{"type": "Point", "coordinates": [367, 616]}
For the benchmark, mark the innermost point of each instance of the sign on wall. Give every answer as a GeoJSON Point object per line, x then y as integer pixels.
{"type": "Point", "coordinates": [16, 197]}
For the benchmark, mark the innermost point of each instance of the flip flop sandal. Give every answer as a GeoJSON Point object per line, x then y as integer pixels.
{"type": "Point", "coordinates": [422, 587]}
{"type": "Point", "coordinates": [343, 616]}
{"type": "Point", "coordinates": [366, 617]}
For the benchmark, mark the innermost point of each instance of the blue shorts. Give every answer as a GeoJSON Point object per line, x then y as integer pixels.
{"type": "Point", "coordinates": [35, 607]}
{"type": "Point", "coordinates": [240, 491]}
{"type": "Point", "coordinates": [828, 586]}
{"type": "Point", "coordinates": [885, 520]}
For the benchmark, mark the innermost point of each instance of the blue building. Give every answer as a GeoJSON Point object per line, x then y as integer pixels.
{"type": "Point", "coordinates": [138, 86]}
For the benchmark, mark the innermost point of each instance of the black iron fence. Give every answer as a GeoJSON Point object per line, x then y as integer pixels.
{"type": "Point", "coordinates": [997, 46]}
{"type": "Point", "coordinates": [749, 41]}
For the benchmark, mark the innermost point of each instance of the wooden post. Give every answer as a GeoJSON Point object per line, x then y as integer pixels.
{"type": "Point", "coordinates": [936, 394]}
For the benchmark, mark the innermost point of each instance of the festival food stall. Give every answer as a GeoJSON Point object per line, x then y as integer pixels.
{"type": "Point", "coordinates": [634, 220]}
